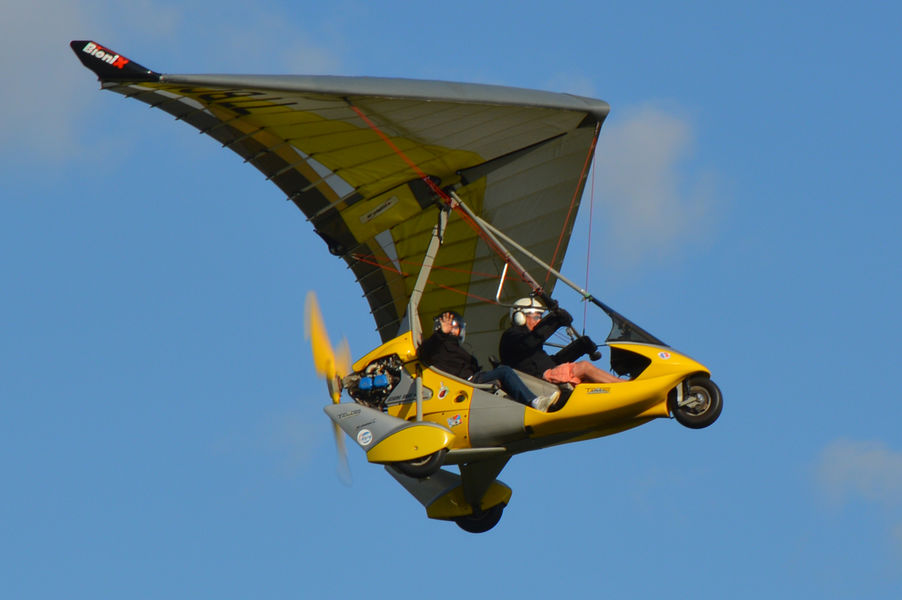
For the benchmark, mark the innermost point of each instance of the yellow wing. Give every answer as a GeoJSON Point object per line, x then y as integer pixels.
{"type": "Point", "coordinates": [352, 154]}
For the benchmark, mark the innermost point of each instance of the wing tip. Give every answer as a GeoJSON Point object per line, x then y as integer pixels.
{"type": "Point", "coordinates": [109, 65]}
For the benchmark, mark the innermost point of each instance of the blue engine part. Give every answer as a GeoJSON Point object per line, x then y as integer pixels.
{"type": "Point", "coordinates": [375, 382]}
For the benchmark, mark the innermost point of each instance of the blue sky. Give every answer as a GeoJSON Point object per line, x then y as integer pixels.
{"type": "Point", "coordinates": [162, 431]}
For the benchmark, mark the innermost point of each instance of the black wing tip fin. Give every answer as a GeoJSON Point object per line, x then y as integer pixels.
{"type": "Point", "coordinates": [109, 65]}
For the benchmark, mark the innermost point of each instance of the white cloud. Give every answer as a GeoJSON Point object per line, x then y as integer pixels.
{"type": "Point", "coordinates": [867, 470]}
{"type": "Point", "coordinates": [47, 96]}
{"type": "Point", "coordinates": [305, 57]}
{"type": "Point", "coordinates": [654, 203]}
{"type": "Point", "coordinates": [267, 43]}
{"type": "Point", "coordinates": [40, 80]}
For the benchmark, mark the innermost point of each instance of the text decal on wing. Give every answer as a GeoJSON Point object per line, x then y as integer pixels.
{"type": "Point", "coordinates": [101, 53]}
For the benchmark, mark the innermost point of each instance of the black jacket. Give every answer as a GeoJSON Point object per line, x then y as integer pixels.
{"type": "Point", "coordinates": [523, 349]}
{"type": "Point", "coordinates": [443, 351]}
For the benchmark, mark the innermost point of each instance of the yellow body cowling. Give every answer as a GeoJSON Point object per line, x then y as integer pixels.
{"type": "Point", "coordinates": [410, 443]}
{"type": "Point", "coordinates": [592, 410]}
{"type": "Point", "coordinates": [453, 503]}
{"type": "Point", "coordinates": [606, 408]}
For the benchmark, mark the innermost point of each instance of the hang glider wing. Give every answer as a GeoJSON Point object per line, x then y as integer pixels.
{"type": "Point", "coordinates": [353, 153]}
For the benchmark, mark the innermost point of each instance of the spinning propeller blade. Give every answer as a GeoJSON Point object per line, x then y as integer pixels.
{"type": "Point", "coordinates": [344, 468]}
{"type": "Point", "coordinates": [343, 358]}
{"type": "Point", "coordinates": [332, 364]}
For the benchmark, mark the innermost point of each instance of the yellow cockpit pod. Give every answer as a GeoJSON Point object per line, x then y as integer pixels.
{"type": "Point", "coordinates": [401, 345]}
{"type": "Point", "coordinates": [662, 361]}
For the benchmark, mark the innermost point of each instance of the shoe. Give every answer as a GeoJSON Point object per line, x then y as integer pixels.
{"type": "Point", "coordinates": [543, 403]}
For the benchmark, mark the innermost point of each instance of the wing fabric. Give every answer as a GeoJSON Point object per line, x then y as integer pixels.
{"type": "Point", "coordinates": [516, 157]}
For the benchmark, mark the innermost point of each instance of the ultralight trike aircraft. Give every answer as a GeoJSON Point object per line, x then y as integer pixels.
{"type": "Point", "coordinates": [434, 194]}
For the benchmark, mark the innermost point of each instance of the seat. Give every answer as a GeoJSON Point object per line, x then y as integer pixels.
{"type": "Point", "coordinates": [490, 386]}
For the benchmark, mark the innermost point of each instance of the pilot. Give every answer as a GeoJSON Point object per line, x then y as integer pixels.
{"type": "Point", "coordinates": [442, 350]}
{"type": "Point", "coordinates": [522, 344]}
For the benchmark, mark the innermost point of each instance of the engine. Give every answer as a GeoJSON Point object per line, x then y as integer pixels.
{"type": "Point", "coordinates": [372, 384]}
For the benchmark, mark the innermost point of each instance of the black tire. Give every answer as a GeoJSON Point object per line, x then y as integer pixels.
{"type": "Point", "coordinates": [705, 408]}
{"type": "Point", "coordinates": [421, 468]}
{"type": "Point", "coordinates": [482, 521]}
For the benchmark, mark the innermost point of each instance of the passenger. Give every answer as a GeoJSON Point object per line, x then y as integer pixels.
{"type": "Point", "coordinates": [443, 350]}
{"type": "Point", "coordinates": [522, 344]}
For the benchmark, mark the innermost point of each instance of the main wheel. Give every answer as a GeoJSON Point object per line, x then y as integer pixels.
{"type": "Point", "coordinates": [421, 468]}
{"type": "Point", "coordinates": [701, 405]}
{"type": "Point", "coordinates": [482, 521]}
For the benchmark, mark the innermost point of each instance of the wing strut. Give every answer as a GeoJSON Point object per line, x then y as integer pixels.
{"type": "Point", "coordinates": [622, 324]}
{"type": "Point", "coordinates": [413, 313]}
{"type": "Point", "coordinates": [438, 233]}
{"type": "Point", "coordinates": [560, 276]}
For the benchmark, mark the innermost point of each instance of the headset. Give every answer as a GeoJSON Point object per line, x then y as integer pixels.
{"type": "Point", "coordinates": [522, 306]}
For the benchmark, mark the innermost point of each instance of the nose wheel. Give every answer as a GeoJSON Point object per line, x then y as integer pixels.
{"type": "Point", "coordinates": [421, 468]}
{"type": "Point", "coordinates": [696, 403]}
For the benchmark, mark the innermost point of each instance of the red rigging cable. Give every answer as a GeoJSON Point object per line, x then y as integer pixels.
{"type": "Point", "coordinates": [589, 243]}
{"type": "Point", "coordinates": [439, 191]}
{"type": "Point", "coordinates": [374, 261]}
{"type": "Point", "coordinates": [454, 205]}
{"type": "Point", "coordinates": [467, 294]}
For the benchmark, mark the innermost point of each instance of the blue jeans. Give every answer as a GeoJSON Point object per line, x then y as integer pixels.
{"type": "Point", "coordinates": [510, 383]}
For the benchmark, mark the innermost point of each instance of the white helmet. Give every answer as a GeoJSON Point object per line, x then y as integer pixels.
{"type": "Point", "coordinates": [525, 305]}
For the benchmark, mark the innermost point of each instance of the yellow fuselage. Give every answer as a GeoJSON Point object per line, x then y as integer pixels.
{"type": "Point", "coordinates": [592, 410]}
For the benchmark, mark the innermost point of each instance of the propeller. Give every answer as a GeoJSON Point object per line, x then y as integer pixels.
{"type": "Point", "coordinates": [332, 364]}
